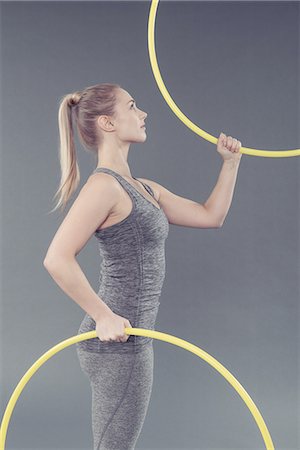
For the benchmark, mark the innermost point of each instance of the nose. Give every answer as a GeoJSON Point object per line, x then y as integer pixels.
{"type": "Point", "coordinates": [142, 114]}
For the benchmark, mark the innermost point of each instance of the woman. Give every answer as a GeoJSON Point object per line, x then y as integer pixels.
{"type": "Point", "coordinates": [130, 218]}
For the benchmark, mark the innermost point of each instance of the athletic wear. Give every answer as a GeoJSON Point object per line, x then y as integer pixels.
{"type": "Point", "coordinates": [132, 270]}
{"type": "Point", "coordinates": [121, 386]}
{"type": "Point", "coordinates": [131, 278]}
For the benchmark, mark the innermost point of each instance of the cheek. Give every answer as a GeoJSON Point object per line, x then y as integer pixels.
{"type": "Point", "coordinates": [124, 124]}
{"type": "Point", "coordinates": [127, 128]}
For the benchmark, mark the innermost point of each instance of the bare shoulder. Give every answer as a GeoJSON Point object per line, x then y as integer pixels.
{"type": "Point", "coordinates": [102, 176]}
{"type": "Point", "coordinates": [102, 180]}
{"type": "Point", "coordinates": [101, 189]}
{"type": "Point", "coordinates": [95, 202]}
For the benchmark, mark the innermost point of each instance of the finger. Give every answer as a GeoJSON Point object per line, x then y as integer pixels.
{"type": "Point", "coordinates": [234, 145]}
{"type": "Point", "coordinates": [222, 138]}
{"type": "Point", "coordinates": [229, 142]}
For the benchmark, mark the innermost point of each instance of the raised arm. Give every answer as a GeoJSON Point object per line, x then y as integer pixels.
{"type": "Point", "coordinates": [211, 214]}
{"type": "Point", "coordinates": [182, 211]}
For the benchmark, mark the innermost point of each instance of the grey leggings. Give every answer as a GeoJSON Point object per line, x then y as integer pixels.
{"type": "Point", "coordinates": [121, 386]}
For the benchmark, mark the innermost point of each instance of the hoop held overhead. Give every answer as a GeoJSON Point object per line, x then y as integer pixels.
{"type": "Point", "coordinates": [157, 75]}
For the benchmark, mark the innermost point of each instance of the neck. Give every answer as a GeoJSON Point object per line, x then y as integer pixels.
{"type": "Point", "coordinates": [122, 169]}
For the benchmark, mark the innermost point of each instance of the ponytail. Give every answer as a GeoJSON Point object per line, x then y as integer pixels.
{"type": "Point", "coordinates": [87, 106]}
{"type": "Point", "coordinates": [70, 175]}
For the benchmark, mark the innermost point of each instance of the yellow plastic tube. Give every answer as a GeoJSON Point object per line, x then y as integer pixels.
{"type": "Point", "coordinates": [179, 113]}
{"type": "Point", "coordinates": [138, 332]}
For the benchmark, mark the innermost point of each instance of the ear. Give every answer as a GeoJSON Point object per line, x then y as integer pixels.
{"type": "Point", "coordinates": [104, 123]}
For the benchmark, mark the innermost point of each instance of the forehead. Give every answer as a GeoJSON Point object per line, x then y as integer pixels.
{"type": "Point", "coordinates": [124, 96]}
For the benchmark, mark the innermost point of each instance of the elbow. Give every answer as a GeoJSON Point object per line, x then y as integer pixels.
{"type": "Point", "coordinates": [220, 221]}
{"type": "Point", "coordinates": [52, 267]}
{"type": "Point", "coordinates": [214, 220]}
{"type": "Point", "coordinates": [49, 263]}
{"type": "Point", "coordinates": [46, 264]}
{"type": "Point", "coordinates": [53, 263]}
{"type": "Point", "coordinates": [218, 224]}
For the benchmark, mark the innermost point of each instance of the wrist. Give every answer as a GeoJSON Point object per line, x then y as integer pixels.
{"type": "Point", "coordinates": [231, 162]}
{"type": "Point", "coordinates": [104, 311]}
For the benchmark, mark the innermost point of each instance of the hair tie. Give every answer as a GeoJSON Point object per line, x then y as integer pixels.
{"type": "Point", "coordinates": [74, 99]}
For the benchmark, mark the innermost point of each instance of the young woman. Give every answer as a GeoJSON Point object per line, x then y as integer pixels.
{"type": "Point", "coordinates": [130, 218]}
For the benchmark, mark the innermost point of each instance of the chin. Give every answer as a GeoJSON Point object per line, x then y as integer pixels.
{"type": "Point", "coordinates": [143, 138]}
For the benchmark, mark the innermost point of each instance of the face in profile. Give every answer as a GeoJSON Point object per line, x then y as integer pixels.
{"type": "Point", "coordinates": [129, 118]}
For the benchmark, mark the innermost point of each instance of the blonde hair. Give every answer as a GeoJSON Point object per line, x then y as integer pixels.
{"type": "Point", "coordinates": [86, 106]}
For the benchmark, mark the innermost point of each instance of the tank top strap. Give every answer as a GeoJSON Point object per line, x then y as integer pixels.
{"type": "Point", "coordinates": [125, 184]}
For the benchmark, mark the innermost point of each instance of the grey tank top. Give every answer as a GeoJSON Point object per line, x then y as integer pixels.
{"type": "Point", "coordinates": [132, 270]}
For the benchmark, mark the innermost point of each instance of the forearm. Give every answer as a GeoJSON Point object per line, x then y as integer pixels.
{"type": "Point", "coordinates": [70, 278]}
{"type": "Point", "coordinates": [220, 199]}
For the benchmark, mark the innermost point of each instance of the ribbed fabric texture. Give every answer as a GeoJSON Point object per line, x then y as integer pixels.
{"type": "Point", "coordinates": [121, 386]}
{"type": "Point", "coordinates": [132, 270]}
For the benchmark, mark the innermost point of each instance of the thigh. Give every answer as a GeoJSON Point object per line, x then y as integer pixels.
{"type": "Point", "coordinates": [121, 389]}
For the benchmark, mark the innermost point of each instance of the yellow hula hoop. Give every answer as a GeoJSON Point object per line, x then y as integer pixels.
{"type": "Point", "coordinates": [179, 113]}
{"type": "Point", "coordinates": [138, 332]}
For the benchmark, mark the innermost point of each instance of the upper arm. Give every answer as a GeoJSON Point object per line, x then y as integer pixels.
{"type": "Point", "coordinates": [90, 209]}
{"type": "Point", "coordinates": [180, 210]}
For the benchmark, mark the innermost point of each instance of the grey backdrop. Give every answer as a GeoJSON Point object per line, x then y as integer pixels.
{"type": "Point", "coordinates": [234, 291]}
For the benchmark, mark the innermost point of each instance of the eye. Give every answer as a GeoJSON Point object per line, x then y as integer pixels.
{"type": "Point", "coordinates": [132, 104]}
